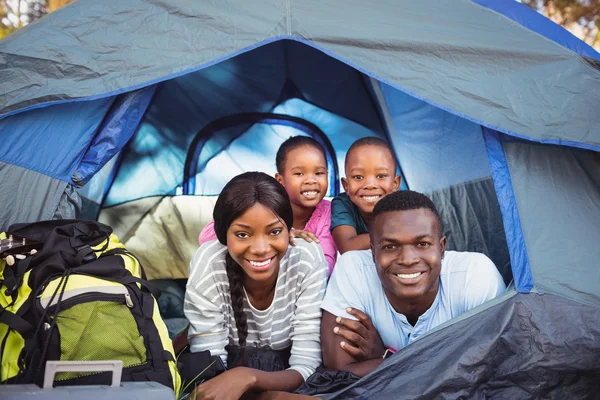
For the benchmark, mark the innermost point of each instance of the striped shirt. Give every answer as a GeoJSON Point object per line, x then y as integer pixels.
{"type": "Point", "coordinates": [293, 318]}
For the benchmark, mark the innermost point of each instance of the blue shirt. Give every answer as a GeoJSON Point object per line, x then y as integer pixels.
{"type": "Point", "coordinates": [466, 281]}
{"type": "Point", "coordinates": [345, 212]}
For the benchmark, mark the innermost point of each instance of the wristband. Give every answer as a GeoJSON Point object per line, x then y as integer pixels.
{"type": "Point", "coordinates": [388, 353]}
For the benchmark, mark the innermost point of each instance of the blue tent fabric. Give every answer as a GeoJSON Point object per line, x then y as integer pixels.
{"type": "Point", "coordinates": [510, 213]}
{"type": "Point", "coordinates": [59, 139]}
{"type": "Point", "coordinates": [257, 147]}
{"type": "Point", "coordinates": [436, 149]}
{"type": "Point", "coordinates": [536, 22]}
{"type": "Point", "coordinates": [275, 122]}
{"type": "Point", "coordinates": [119, 126]}
{"type": "Point", "coordinates": [298, 78]}
{"type": "Point", "coordinates": [154, 164]}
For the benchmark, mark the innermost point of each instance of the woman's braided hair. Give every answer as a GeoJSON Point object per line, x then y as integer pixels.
{"type": "Point", "coordinates": [241, 193]}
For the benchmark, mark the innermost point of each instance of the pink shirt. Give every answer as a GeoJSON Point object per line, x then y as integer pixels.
{"type": "Point", "coordinates": [319, 224]}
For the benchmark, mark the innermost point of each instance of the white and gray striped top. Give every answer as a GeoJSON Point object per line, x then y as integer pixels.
{"type": "Point", "coordinates": [294, 317]}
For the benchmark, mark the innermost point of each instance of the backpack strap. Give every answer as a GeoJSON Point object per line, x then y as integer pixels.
{"type": "Point", "coordinates": [12, 279]}
{"type": "Point", "coordinates": [125, 252]}
{"type": "Point", "coordinates": [15, 322]}
{"type": "Point", "coordinates": [40, 231]}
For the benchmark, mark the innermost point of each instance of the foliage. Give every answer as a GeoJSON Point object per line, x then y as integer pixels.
{"type": "Point", "coordinates": [581, 17]}
{"type": "Point", "coordinates": [14, 14]}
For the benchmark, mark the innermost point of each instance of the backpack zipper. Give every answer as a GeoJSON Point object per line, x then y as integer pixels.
{"type": "Point", "coordinates": [128, 301]}
{"type": "Point", "coordinates": [90, 297]}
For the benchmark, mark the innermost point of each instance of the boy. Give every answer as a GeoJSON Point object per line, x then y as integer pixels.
{"type": "Point", "coordinates": [370, 175]}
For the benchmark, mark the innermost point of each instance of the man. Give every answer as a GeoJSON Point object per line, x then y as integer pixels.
{"type": "Point", "coordinates": [380, 300]}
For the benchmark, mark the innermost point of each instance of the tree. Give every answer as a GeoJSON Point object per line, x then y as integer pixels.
{"type": "Point", "coordinates": [581, 17]}
{"type": "Point", "coordinates": [14, 14]}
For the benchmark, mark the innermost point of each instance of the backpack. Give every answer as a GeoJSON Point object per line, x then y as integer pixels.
{"type": "Point", "coordinates": [81, 297]}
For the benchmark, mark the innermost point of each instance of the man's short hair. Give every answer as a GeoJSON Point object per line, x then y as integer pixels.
{"type": "Point", "coordinates": [371, 141]}
{"type": "Point", "coordinates": [404, 200]}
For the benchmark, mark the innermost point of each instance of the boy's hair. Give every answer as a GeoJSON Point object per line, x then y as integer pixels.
{"type": "Point", "coordinates": [291, 144]}
{"type": "Point", "coordinates": [370, 141]}
{"type": "Point", "coordinates": [406, 200]}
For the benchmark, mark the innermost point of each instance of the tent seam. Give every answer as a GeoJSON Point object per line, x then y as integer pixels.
{"type": "Point", "coordinates": [289, 17]}
{"type": "Point", "coordinates": [264, 38]}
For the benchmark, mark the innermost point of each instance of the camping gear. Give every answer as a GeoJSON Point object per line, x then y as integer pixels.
{"type": "Point", "coordinates": [116, 391]}
{"type": "Point", "coordinates": [138, 113]}
{"type": "Point", "coordinates": [80, 297]}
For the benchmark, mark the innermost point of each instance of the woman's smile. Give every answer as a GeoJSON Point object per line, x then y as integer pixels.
{"type": "Point", "coordinates": [261, 265]}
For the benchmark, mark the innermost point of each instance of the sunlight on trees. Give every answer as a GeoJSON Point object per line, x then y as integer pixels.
{"type": "Point", "coordinates": [580, 17]}
{"type": "Point", "coordinates": [15, 14]}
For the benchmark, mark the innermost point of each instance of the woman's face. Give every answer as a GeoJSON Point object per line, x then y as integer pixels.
{"type": "Point", "coordinates": [257, 241]}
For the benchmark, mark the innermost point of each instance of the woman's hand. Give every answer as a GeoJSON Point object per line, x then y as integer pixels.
{"type": "Point", "coordinates": [230, 385]}
{"type": "Point", "coordinates": [306, 235]}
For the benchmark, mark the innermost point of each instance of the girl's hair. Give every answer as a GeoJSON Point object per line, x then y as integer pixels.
{"type": "Point", "coordinates": [291, 144]}
{"type": "Point", "coordinates": [241, 193]}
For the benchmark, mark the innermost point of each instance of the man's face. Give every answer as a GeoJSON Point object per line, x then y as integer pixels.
{"type": "Point", "coordinates": [370, 175]}
{"type": "Point", "coordinates": [407, 249]}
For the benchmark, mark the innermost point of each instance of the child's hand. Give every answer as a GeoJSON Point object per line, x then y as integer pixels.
{"type": "Point", "coordinates": [306, 235]}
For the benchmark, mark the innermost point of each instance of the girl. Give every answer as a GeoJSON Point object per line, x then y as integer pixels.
{"type": "Point", "coordinates": [251, 288]}
{"type": "Point", "coordinates": [302, 170]}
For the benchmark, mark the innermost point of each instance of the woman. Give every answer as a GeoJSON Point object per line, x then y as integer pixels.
{"type": "Point", "coordinates": [251, 288]}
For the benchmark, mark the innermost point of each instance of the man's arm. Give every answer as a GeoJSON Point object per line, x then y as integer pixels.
{"type": "Point", "coordinates": [335, 357]}
{"type": "Point", "coordinates": [483, 282]}
{"type": "Point", "coordinates": [347, 239]}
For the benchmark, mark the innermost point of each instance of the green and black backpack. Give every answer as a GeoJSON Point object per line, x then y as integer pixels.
{"type": "Point", "coordinates": [80, 297]}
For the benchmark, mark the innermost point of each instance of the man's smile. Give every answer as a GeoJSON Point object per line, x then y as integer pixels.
{"type": "Point", "coordinates": [408, 277]}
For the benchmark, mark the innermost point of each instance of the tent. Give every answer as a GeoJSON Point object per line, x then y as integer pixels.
{"type": "Point", "coordinates": [137, 113]}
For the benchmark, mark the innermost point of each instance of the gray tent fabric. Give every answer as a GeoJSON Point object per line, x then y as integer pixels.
{"type": "Point", "coordinates": [557, 190]}
{"type": "Point", "coordinates": [70, 204]}
{"type": "Point", "coordinates": [519, 352]}
{"type": "Point", "coordinates": [472, 221]}
{"type": "Point", "coordinates": [453, 53]}
{"type": "Point", "coordinates": [20, 195]}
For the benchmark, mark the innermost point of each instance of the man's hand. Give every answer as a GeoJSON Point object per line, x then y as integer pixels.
{"type": "Point", "coordinates": [306, 235]}
{"type": "Point", "coordinates": [361, 339]}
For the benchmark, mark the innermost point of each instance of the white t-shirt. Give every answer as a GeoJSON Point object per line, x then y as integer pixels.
{"type": "Point", "coordinates": [466, 281]}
